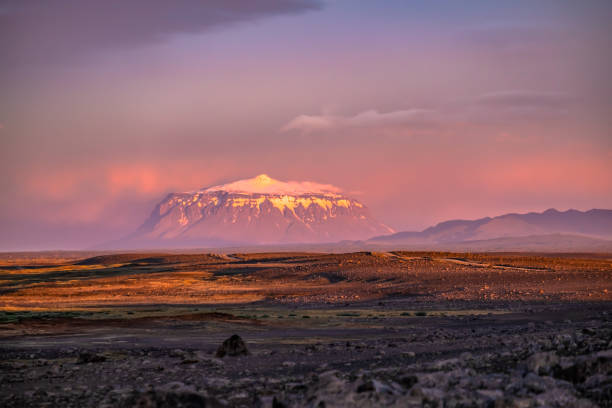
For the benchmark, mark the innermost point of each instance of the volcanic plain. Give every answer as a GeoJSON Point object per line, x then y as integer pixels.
{"type": "Point", "coordinates": [315, 330]}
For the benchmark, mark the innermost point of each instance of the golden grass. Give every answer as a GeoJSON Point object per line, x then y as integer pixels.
{"type": "Point", "coordinates": [290, 278]}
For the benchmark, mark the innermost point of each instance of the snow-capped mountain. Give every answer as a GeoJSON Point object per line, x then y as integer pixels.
{"type": "Point", "coordinates": [260, 210]}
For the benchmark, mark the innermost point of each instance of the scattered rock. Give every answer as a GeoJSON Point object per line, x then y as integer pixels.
{"type": "Point", "coordinates": [233, 346]}
{"type": "Point", "coordinates": [542, 363]}
{"type": "Point", "coordinates": [180, 397]}
{"type": "Point", "coordinates": [89, 357]}
{"type": "Point", "coordinates": [409, 380]}
{"type": "Point", "coordinates": [277, 404]}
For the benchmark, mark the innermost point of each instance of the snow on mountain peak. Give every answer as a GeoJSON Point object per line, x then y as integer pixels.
{"type": "Point", "coordinates": [263, 180]}
{"type": "Point", "coordinates": [264, 184]}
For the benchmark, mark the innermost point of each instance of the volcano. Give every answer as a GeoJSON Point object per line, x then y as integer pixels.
{"type": "Point", "coordinates": [260, 210]}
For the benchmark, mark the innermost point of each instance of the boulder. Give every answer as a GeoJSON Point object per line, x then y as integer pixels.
{"type": "Point", "coordinates": [233, 347]}
{"type": "Point", "coordinates": [88, 357]}
{"type": "Point", "coordinates": [542, 363]}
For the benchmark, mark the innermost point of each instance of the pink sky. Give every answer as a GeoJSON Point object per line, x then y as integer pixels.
{"type": "Point", "coordinates": [424, 111]}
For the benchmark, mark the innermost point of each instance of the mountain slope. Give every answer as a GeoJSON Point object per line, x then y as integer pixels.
{"type": "Point", "coordinates": [535, 243]}
{"type": "Point", "coordinates": [593, 223]}
{"type": "Point", "coordinates": [260, 210]}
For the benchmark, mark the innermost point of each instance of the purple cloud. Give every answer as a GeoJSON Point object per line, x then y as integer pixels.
{"type": "Point", "coordinates": [520, 98]}
{"type": "Point", "coordinates": [521, 104]}
{"type": "Point", "coordinates": [42, 30]}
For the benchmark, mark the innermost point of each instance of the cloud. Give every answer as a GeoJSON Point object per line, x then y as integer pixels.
{"type": "Point", "coordinates": [521, 104]}
{"type": "Point", "coordinates": [35, 30]}
{"type": "Point", "coordinates": [72, 194]}
{"type": "Point", "coordinates": [547, 173]}
{"type": "Point", "coordinates": [307, 123]}
{"type": "Point", "coordinates": [520, 98]}
{"type": "Point", "coordinates": [506, 36]}
{"type": "Point", "coordinates": [263, 184]}
{"type": "Point", "coordinates": [492, 107]}
{"type": "Point", "coordinates": [371, 118]}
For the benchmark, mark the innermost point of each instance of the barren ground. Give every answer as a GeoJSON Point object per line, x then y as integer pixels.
{"type": "Point", "coordinates": [361, 329]}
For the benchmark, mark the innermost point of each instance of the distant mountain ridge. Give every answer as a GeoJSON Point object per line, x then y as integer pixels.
{"type": "Point", "coordinates": [595, 223]}
{"type": "Point", "coordinates": [262, 212]}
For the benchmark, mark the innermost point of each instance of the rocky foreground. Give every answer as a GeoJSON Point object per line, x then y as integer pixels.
{"type": "Point", "coordinates": [539, 356]}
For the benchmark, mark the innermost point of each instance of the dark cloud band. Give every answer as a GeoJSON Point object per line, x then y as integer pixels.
{"type": "Point", "coordinates": [43, 30]}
